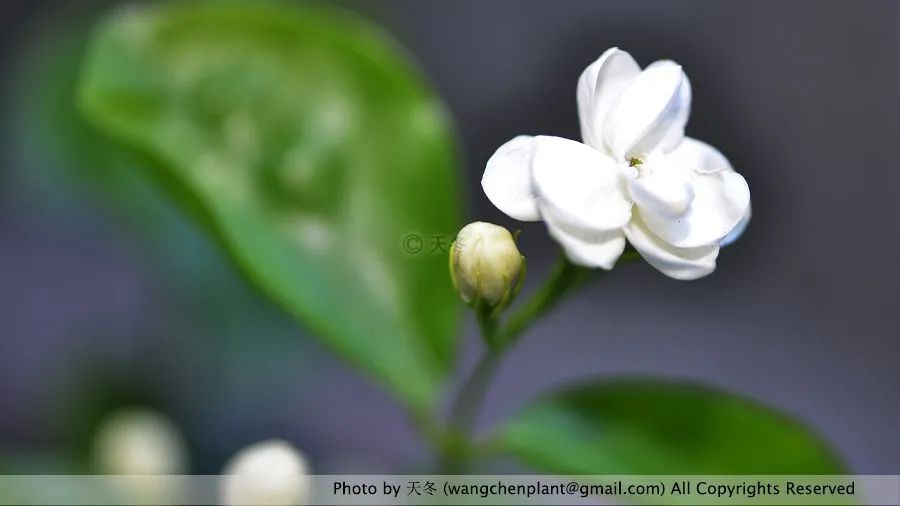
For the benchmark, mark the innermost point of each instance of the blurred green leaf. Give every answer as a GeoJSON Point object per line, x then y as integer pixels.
{"type": "Point", "coordinates": [312, 149]}
{"type": "Point", "coordinates": [68, 180]}
{"type": "Point", "coordinates": [642, 426]}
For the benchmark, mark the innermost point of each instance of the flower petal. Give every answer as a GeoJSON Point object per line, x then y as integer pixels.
{"type": "Point", "coordinates": [675, 134]}
{"type": "Point", "coordinates": [738, 230]}
{"type": "Point", "coordinates": [583, 186]}
{"type": "Point", "coordinates": [582, 247]}
{"type": "Point", "coordinates": [507, 179]}
{"type": "Point", "coordinates": [664, 192]}
{"type": "Point", "coordinates": [678, 263]}
{"type": "Point", "coordinates": [649, 113]}
{"type": "Point", "coordinates": [697, 156]}
{"type": "Point", "coordinates": [720, 201]}
{"type": "Point", "coordinates": [598, 87]}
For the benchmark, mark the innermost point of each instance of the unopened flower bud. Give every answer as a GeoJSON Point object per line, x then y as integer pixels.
{"type": "Point", "coordinates": [485, 264]}
{"type": "Point", "coordinates": [139, 442]}
{"type": "Point", "coordinates": [268, 473]}
{"type": "Point", "coordinates": [145, 446]}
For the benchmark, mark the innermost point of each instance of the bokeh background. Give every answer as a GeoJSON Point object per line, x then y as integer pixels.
{"type": "Point", "coordinates": [98, 306]}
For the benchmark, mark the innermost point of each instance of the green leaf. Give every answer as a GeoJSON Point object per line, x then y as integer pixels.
{"type": "Point", "coordinates": [644, 426]}
{"type": "Point", "coordinates": [311, 149]}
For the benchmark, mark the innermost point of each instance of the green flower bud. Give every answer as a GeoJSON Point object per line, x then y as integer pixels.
{"type": "Point", "coordinates": [485, 265]}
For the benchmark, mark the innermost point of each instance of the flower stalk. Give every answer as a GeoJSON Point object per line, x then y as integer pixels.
{"type": "Point", "coordinates": [565, 278]}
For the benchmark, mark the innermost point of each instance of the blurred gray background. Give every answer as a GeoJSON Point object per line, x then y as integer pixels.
{"type": "Point", "coordinates": [802, 312]}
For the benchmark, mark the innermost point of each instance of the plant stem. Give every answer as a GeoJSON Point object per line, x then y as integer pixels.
{"type": "Point", "coordinates": [487, 325]}
{"type": "Point", "coordinates": [464, 411]}
{"type": "Point", "coordinates": [564, 277]}
{"type": "Point", "coordinates": [470, 399]}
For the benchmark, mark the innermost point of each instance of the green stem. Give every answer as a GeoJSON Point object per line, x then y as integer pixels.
{"type": "Point", "coordinates": [470, 399]}
{"type": "Point", "coordinates": [464, 411]}
{"type": "Point", "coordinates": [487, 325]}
{"type": "Point", "coordinates": [564, 277]}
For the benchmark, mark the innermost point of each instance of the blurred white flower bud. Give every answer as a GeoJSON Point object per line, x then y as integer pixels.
{"type": "Point", "coordinates": [139, 442]}
{"type": "Point", "coordinates": [269, 473]}
{"type": "Point", "coordinates": [142, 444]}
{"type": "Point", "coordinates": [485, 264]}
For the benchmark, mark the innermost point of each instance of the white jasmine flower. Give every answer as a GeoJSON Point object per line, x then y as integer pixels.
{"type": "Point", "coordinates": [634, 176]}
{"type": "Point", "coordinates": [271, 473]}
{"type": "Point", "coordinates": [485, 264]}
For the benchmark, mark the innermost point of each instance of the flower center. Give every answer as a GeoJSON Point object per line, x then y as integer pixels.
{"type": "Point", "coordinates": [632, 167]}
